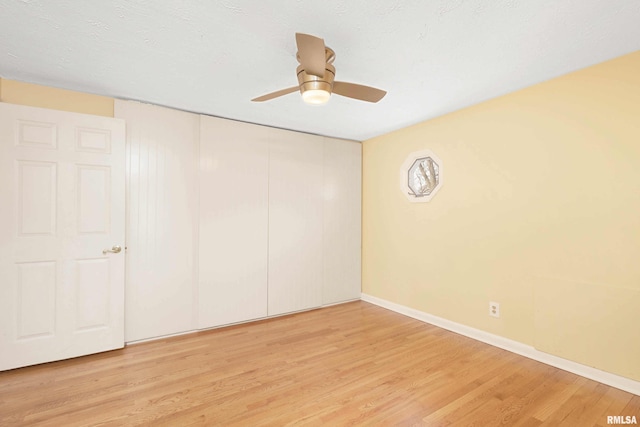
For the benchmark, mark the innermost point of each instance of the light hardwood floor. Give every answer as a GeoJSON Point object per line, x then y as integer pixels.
{"type": "Point", "coordinates": [351, 364]}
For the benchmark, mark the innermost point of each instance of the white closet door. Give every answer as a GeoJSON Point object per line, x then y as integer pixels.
{"type": "Point", "coordinates": [234, 173]}
{"type": "Point", "coordinates": [295, 221]}
{"type": "Point", "coordinates": [63, 191]}
{"type": "Point", "coordinates": [342, 220]}
{"type": "Point", "coordinates": [161, 219]}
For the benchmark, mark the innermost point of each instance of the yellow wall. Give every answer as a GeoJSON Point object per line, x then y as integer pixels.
{"type": "Point", "coordinates": [15, 92]}
{"type": "Point", "coordinates": [539, 211]}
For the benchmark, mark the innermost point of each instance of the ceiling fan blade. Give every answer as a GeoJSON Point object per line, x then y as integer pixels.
{"type": "Point", "coordinates": [311, 54]}
{"type": "Point", "coordinates": [355, 91]}
{"type": "Point", "coordinates": [275, 94]}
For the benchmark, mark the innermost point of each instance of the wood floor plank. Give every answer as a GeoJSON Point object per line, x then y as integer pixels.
{"type": "Point", "coordinates": [350, 364]}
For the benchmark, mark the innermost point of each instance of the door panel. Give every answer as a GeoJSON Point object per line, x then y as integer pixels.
{"type": "Point", "coordinates": [234, 175]}
{"type": "Point", "coordinates": [62, 188]}
{"type": "Point", "coordinates": [342, 220]}
{"type": "Point", "coordinates": [162, 219]}
{"type": "Point", "coordinates": [36, 292]}
{"type": "Point", "coordinates": [35, 134]}
{"type": "Point", "coordinates": [295, 221]}
{"type": "Point", "coordinates": [37, 198]}
{"type": "Point", "coordinates": [94, 190]}
{"type": "Point", "coordinates": [92, 287]}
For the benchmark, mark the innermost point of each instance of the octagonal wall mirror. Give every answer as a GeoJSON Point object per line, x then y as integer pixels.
{"type": "Point", "coordinates": [421, 176]}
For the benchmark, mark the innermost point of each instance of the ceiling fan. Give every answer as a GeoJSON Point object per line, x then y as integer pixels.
{"type": "Point", "coordinates": [316, 76]}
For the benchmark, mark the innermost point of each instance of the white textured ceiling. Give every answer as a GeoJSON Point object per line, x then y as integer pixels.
{"type": "Point", "coordinates": [212, 57]}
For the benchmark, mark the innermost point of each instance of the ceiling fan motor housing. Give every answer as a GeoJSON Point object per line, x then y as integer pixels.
{"type": "Point", "coordinates": [311, 82]}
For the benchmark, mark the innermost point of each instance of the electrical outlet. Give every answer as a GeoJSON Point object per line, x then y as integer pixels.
{"type": "Point", "coordinates": [494, 309]}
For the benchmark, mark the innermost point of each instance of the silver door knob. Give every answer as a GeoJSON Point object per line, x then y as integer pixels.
{"type": "Point", "coordinates": [114, 250]}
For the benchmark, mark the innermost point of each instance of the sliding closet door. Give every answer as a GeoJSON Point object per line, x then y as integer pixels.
{"type": "Point", "coordinates": [161, 219]}
{"type": "Point", "coordinates": [234, 165]}
{"type": "Point", "coordinates": [295, 221]}
{"type": "Point", "coordinates": [342, 220]}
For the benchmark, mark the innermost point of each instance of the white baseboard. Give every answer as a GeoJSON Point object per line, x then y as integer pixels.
{"type": "Point", "coordinates": [159, 337]}
{"type": "Point", "coordinates": [607, 378]}
{"type": "Point", "coordinates": [191, 331]}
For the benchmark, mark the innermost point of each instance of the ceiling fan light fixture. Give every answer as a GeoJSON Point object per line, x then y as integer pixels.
{"type": "Point", "coordinates": [316, 96]}
{"type": "Point", "coordinates": [315, 90]}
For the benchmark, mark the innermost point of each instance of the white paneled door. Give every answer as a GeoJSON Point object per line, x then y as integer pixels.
{"type": "Point", "coordinates": [62, 193]}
